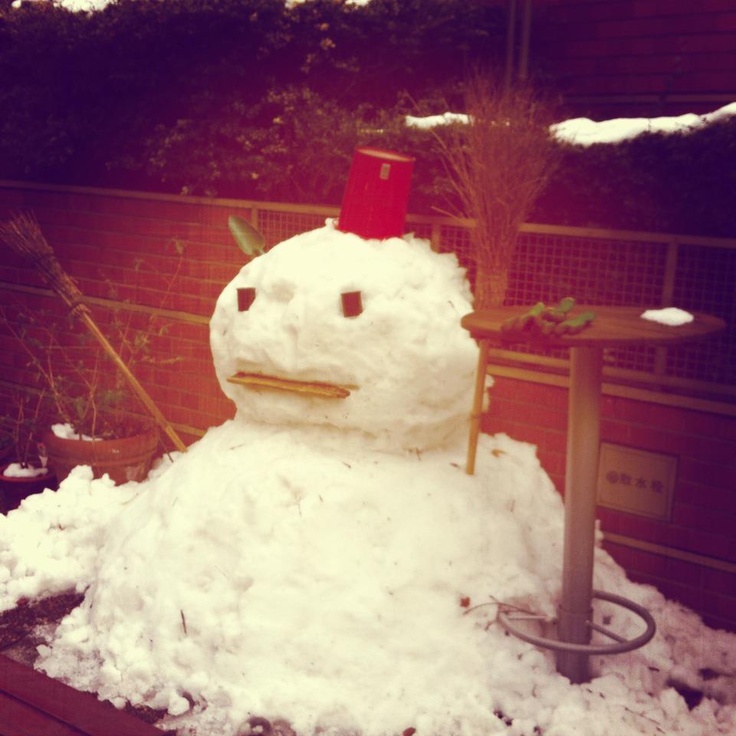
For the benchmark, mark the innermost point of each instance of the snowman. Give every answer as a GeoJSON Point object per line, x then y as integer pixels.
{"type": "Point", "coordinates": [305, 562]}
{"type": "Point", "coordinates": [321, 563]}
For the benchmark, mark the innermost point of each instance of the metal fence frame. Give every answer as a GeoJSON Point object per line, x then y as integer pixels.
{"type": "Point", "coordinates": [596, 266]}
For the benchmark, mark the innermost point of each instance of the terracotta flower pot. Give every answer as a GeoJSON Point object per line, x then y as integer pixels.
{"type": "Point", "coordinates": [123, 460]}
{"type": "Point", "coordinates": [14, 490]}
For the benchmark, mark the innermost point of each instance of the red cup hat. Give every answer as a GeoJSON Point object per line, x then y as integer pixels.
{"type": "Point", "coordinates": [377, 194]}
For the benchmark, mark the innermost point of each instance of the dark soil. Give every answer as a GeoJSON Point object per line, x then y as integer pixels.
{"type": "Point", "coordinates": [22, 627]}
{"type": "Point", "coordinates": [17, 625]}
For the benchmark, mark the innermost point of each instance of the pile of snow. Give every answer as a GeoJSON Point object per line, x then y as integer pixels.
{"type": "Point", "coordinates": [262, 574]}
{"type": "Point", "coordinates": [74, 5]}
{"type": "Point", "coordinates": [586, 132]}
{"type": "Point", "coordinates": [310, 583]}
{"type": "Point", "coordinates": [432, 121]}
{"type": "Point", "coordinates": [66, 431]}
{"type": "Point", "coordinates": [670, 316]}
{"type": "Point", "coordinates": [50, 544]}
{"type": "Point", "coordinates": [18, 470]}
{"type": "Point", "coordinates": [296, 565]}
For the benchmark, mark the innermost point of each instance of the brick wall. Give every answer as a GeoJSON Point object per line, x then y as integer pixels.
{"type": "Point", "coordinates": [638, 57]}
{"type": "Point", "coordinates": [692, 556]}
{"type": "Point", "coordinates": [172, 256]}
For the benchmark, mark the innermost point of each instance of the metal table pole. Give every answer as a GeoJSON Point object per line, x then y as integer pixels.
{"type": "Point", "coordinates": [583, 432]}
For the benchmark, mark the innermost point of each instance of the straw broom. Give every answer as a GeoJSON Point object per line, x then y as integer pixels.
{"type": "Point", "coordinates": [23, 235]}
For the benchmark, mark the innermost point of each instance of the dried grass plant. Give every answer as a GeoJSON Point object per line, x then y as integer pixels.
{"type": "Point", "coordinates": [498, 164]}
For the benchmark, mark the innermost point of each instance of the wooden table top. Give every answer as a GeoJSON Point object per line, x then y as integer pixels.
{"type": "Point", "coordinates": [612, 326]}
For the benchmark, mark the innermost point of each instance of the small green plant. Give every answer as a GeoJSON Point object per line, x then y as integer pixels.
{"type": "Point", "coordinates": [23, 235]}
{"type": "Point", "coordinates": [80, 385]}
{"type": "Point", "coordinates": [23, 430]}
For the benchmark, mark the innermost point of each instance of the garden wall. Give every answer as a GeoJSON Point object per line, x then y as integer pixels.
{"type": "Point", "coordinates": [168, 258]}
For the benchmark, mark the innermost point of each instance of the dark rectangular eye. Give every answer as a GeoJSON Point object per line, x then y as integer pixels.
{"type": "Point", "coordinates": [352, 303]}
{"type": "Point", "coordinates": [246, 297]}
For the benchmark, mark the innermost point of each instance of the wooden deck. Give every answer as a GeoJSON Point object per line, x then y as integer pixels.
{"type": "Point", "coordinates": [33, 704]}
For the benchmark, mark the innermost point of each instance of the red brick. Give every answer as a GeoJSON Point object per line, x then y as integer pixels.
{"type": "Point", "coordinates": [721, 582]}
{"type": "Point", "coordinates": [696, 494]}
{"type": "Point", "coordinates": [617, 432]}
{"type": "Point", "coordinates": [707, 473]}
{"type": "Point", "coordinates": [658, 566]}
{"type": "Point", "coordinates": [710, 544]}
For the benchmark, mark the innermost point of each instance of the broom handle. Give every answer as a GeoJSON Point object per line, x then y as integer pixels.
{"type": "Point", "coordinates": [133, 381]}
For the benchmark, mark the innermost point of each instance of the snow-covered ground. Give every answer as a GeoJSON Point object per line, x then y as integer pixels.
{"type": "Point", "coordinates": [323, 558]}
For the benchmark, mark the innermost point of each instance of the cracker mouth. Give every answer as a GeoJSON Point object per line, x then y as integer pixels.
{"type": "Point", "coordinates": [260, 381]}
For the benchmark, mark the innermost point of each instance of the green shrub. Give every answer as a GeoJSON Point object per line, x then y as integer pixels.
{"type": "Point", "coordinates": [255, 99]}
{"type": "Point", "coordinates": [680, 182]}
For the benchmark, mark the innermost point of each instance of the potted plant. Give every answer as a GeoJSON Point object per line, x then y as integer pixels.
{"type": "Point", "coordinates": [95, 420]}
{"type": "Point", "coordinates": [25, 470]}
{"type": "Point", "coordinates": [87, 379]}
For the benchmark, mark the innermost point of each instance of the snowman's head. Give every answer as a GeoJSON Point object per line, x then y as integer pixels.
{"type": "Point", "coordinates": [330, 329]}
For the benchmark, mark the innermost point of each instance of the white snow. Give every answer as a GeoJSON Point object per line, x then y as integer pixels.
{"type": "Point", "coordinates": [18, 470]}
{"type": "Point", "coordinates": [65, 431]}
{"type": "Point", "coordinates": [76, 5]}
{"type": "Point", "coordinates": [672, 316]}
{"type": "Point", "coordinates": [407, 365]}
{"type": "Point", "coordinates": [586, 132]}
{"type": "Point", "coordinates": [432, 121]}
{"type": "Point", "coordinates": [310, 562]}
{"type": "Point", "coordinates": [92, 5]}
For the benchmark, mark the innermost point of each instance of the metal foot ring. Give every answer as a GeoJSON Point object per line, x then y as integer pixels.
{"type": "Point", "coordinates": [620, 645]}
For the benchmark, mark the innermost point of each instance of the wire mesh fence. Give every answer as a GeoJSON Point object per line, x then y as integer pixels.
{"type": "Point", "coordinates": [598, 267]}
{"type": "Point", "coordinates": [278, 225]}
{"type": "Point", "coordinates": [603, 267]}
{"type": "Point", "coordinates": [705, 281]}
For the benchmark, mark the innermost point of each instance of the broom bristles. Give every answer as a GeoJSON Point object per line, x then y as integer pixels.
{"type": "Point", "coordinates": [23, 235]}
